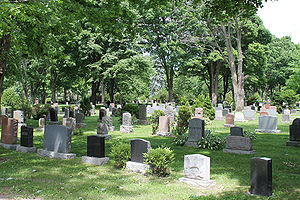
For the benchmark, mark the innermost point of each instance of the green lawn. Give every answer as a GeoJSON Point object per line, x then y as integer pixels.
{"type": "Point", "coordinates": [30, 176]}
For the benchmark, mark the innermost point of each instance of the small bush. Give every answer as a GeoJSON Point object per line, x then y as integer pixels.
{"type": "Point", "coordinates": [85, 106]}
{"type": "Point", "coordinates": [132, 108]}
{"type": "Point", "coordinates": [154, 119]}
{"type": "Point", "coordinates": [120, 152]}
{"type": "Point", "coordinates": [212, 142]}
{"type": "Point", "coordinates": [160, 160]}
{"type": "Point", "coordinates": [78, 131]}
{"type": "Point", "coordinates": [180, 140]}
{"type": "Point", "coordinates": [11, 98]}
{"type": "Point", "coordinates": [39, 110]}
{"type": "Point", "coordinates": [205, 103]}
{"type": "Point", "coordinates": [250, 134]}
{"type": "Point", "coordinates": [184, 115]}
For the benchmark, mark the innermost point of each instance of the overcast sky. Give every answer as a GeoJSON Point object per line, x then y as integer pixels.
{"type": "Point", "coordinates": [282, 18]}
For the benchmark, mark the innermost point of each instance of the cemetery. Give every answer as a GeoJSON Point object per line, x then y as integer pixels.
{"type": "Point", "coordinates": [129, 100]}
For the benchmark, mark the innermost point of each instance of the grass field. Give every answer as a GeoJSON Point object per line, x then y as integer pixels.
{"type": "Point", "coordinates": [30, 176]}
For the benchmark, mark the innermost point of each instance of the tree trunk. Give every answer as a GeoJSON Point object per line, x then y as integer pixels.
{"type": "Point", "coordinates": [111, 90]}
{"type": "Point", "coordinates": [170, 82]}
{"type": "Point", "coordinates": [102, 90]}
{"type": "Point", "coordinates": [43, 96]}
{"type": "Point", "coordinates": [4, 50]}
{"type": "Point", "coordinates": [225, 84]}
{"type": "Point", "coordinates": [214, 71]}
{"type": "Point", "coordinates": [95, 89]}
{"type": "Point", "coordinates": [53, 86]}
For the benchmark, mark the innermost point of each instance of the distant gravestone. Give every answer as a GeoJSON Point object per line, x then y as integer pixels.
{"type": "Point", "coordinates": [249, 114]}
{"type": "Point", "coordinates": [196, 132]}
{"type": "Point", "coordinates": [170, 112]}
{"type": "Point", "coordinates": [239, 117]}
{"type": "Point", "coordinates": [126, 126]}
{"type": "Point", "coordinates": [67, 113]}
{"type": "Point", "coordinates": [225, 112]}
{"type": "Point", "coordinates": [199, 113]}
{"type": "Point", "coordinates": [26, 144]}
{"type": "Point", "coordinates": [70, 123]}
{"type": "Point", "coordinates": [294, 133]}
{"type": "Point", "coordinates": [95, 151]}
{"type": "Point", "coordinates": [143, 114]}
{"type": "Point", "coordinates": [267, 124]}
{"type": "Point", "coordinates": [236, 131]}
{"type": "Point", "coordinates": [263, 113]}
{"type": "Point", "coordinates": [238, 145]}
{"type": "Point", "coordinates": [138, 148]}
{"type": "Point", "coordinates": [102, 130]}
{"type": "Point", "coordinates": [272, 112]}
{"type": "Point", "coordinates": [57, 142]}
{"type": "Point", "coordinates": [53, 115]}
{"type": "Point", "coordinates": [19, 115]}
{"type": "Point", "coordinates": [109, 122]}
{"type": "Point", "coordinates": [72, 113]}
{"type": "Point", "coordinates": [286, 118]}
{"type": "Point", "coordinates": [164, 126]}
{"type": "Point", "coordinates": [197, 170]}
{"type": "Point", "coordinates": [219, 115]}
{"type": "Point", "coordinates": [42, 123]}
{"type": "Point", "coordinates": [261, 176]}
{"type": "Point", "coordinates": [9, 133]}
{"type": "Point", "coordinates": [79, 120]}
{"type": "Point", "coordinates": [229, 120]}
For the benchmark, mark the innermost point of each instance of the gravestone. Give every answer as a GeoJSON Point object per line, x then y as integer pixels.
{"type": "Point", "coordinates": [196, 132]}
{"type": "Point", "coordinates": [67, 113]}
{"type": "Point", "coordinates": [143, 114]}
{"type": "Point", "coordinates": [249, 114]}
{"type": "Point", "coordinates": [42, 123]}
{"type": "Point", "coordinates": [225, 112]}
{"type": "Point", "coordinates": [294, 134]}
{"type": "Point", "coordinates": [102, 130]}
{"type": "Point", "coordinates": [229, 120]}
{"type": "Point", "coordinates": [272, 112]}
{"type": "Point", "coordinates": [19, 115]}
{"type": "Point", "coordinates": [267, 124]}
{"type": "Point", "coordinates": [126, 126]}
{"type": "Point", "coordinates": [138, 148]}
{"type": "Point", "coordinates": [261, 176]}
{"type": "Point", "coordinates": [163, 126]}
{"type": "Point", "coordinates": [9, 133]}
{"type": "Point", "coordinates": [109, 122]}
{"type": "Point", "coordinates": [57, 142]}
{"type": "Point", "coordinates": [70, 123]}
{"type": "Point", "coordinates": [102, 113]}
{"type": "Point", "coordinates": [72, 113]}
{"type": "Point", "coordinates": [236, 131]}
{"type": "Point", "coordinates": [95, 151]}
{"type": "Point", "coordinates": [197, 170]}
{"type": "Point", "coordinates": [219, 115]}
{"type": "Point", "coordinates": [286, 118]}
{"type": "Point", "coordinates": [239, 117]}
{"type": "Point", "coordinates": [170, 112]}
{"type": "Point", "coordinates": [199, 113]}
{"type": "Point", "coordinates": [93, 110]}
{"type": "Point", "coordinates": [229, 108]}
{"type": "Point", "coordinates": [293, 111]}
{"type": "Point", "coordinates": [53, 115]}
{"type": "Point", "coordinates": [238, 145]}
{"type": "Point", "coordinates": [263, 113]}
{"type": "Point", "coordinates": [26, 144]}
{"type": "Point", "coordinates": [79, 120]}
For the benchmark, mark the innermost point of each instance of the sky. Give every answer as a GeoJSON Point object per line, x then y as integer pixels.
{"type": "Point", "coordinates": [282, 18]}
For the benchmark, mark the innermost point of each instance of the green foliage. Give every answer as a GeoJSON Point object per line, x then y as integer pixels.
{"type": "Point", "coordinates": [254, 98]}
{"type": "Point", "coordinates": [120, 152]}
{"type": "Point", "coordinates": [85, 106]}
{"type": "Point", "coordinates": [184, 115]}
{"type": "Point", "coordinates": [26, 107]}
{"type": "Point", "coordinates": [205, 103]}
{"type": "Point", "coordinates": [285, 96]}
{"type": "Point", "coordinates": [161, 95]}
{"type": "Point", "coordinates": [40, 110]}
{"type": "Point", "coordinates": [132, 108]}
{"type": "Point", "coordinates": [212, 142]}
{"type": "Point", "coordinates": [10, 98]}
{"type": "Point", "coordinates": [154, 119]}
{"type": "Point", "coordinates": [180, 140]}
{"type": "Point", "coordinates": [250, 134]}
{"type": "Point", "coordinates": [78, 131]}
{"type": "Point", "coordinates": [160, 160]}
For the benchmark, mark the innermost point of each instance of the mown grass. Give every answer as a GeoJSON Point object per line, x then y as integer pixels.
{"type": "Point", "coordinates": [30, 176]}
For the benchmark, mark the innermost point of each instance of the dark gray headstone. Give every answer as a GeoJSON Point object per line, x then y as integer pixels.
{"type": "Point", "coordinates": [236, 131]}
{"type": "Point", "coordinates": [26, 136]}
{"type": "Point", "coordinates": [142, 112]}
{"type": "Point", "coordinates": [138, 147]}
{"type": "Point", "coordinates": [295, 130]}
{"type": "Point", "coordinates": [67, 113]}
{"type": "Point", "coordinates": [53, 115]}
{"type": "Point", "coordinates": [79, 118]}
{"type": "Point", "coordinates": [57, 138]}
{"type": "Point", "coordinates": [96, 146]}
{"type": "Point", "coordinates": [196, 132]}
{"type": "Point", "coordinates": [261, 176]}
{"type": "Point", "coordinates": [72, 114]}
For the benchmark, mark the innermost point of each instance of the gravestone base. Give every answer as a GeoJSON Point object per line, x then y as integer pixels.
{"type": "Point", "coordinates": [52, 154]}
{"type": "Point", "coordinates": [197, 182]}
{"type": "Point", "coordinates": [94, 160]}
{"type": "Point", "coordinates": [80, 125]}
{"type": "Point", "coordinates": [191, 144]}
{"type": "Point", "coordinates": [229, 125]}
{"type": "Point", "coordinates": [9, 146]}
{"type": "Point", "coordinates": [26, 149]}
{"type": "Point", "coordinates": [137, 167]}
{"type": "Point", "coordinates": [126, 129]}
{"type": "Point", "coordinates": [143, 122]}
{"type": "Point", "coordinates": [236, 151]}
{"type": "Point", "coordinates": [163, 133]}
{"type": "Point", "coordinates": [293, 143]}
{"type": "Point", "coordinates": [54, 123]}
{"type": "Point", "coordinates": [266, 131]}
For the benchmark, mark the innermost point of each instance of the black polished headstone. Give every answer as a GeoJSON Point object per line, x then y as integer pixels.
{"type": "Point", "coordinates": [71, 113]}
{"type": "Point", "coordinates": [57, 138]}
{"type": "Point", "coordinates": [138, 147]}
{"type": "Point", "coordinates": [96, 146]}
{"type": "Point", "coordinates": [236, 131]}
{"type": "Point", "coordinates": [261, 176]}
{"type": "Point", "coordinates": [26, 136]}
{"type": "Point", "coordinates": [53, 115]}
{"type": "Point", "coordinates": [295, 130]}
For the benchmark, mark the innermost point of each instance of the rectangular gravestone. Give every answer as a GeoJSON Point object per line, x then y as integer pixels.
{"type": "Point", "coordinates": [294, 133]}
{"type": "Point", "coordinates": [267, 124]}
{"type": "Point", "coordinates": [236, 131]}
{"type": "Point", "coordinates": [196, 132]}
{"type": "Point", "coordinates": [26, 136]}
{"type": "Point", "coordinates": [96, 146]}
{"type": "Point", "coordinates": [9, 132]}
{"type": "Point", "coordinates": [57, 138]}
{"type": "Point", "coordinates": [72, 113]}
{"type": "Point", "coordinates": [261, 176]}
{"type": "Point", "coordinates": [138, 147]}
{"type": "Point", "coordinates": [249, 114]}
{"type": "Point", "coordinates": [79, 118]}
{"type": "Point", "coordinates": [219, 115]}
{"type": "Point", "coordinates": [143, 114]}
{"type": "Point", "coordinates": [67, 113]}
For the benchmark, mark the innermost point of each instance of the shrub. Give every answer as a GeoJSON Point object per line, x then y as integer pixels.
{"type": "Point", "coordinates": [160, 160]}
{"type": "Point", "coordinates": [39, 110]}
{"type": "Point", "coordinates": [132, 108]}
{"type": "Point", "coordinates": [78, 131]}
{"type": "Point", "coordinates": [212, 142]}
{"type": "Point", "coordinates": [184, 115]}
{"type": "Point", "coordinates": [250, 134]}
{"type": "Point", "coordinates": [10, 98]}
{"type": "Point", "coordinates": [285, 96]}
{"type": "Point", "coordinates": [26, 107]}
{"type": "Point", "coordinates": [254, 98]}
{"type": "Point", "coordinates": [85, 106]}
{"type": "Point", "coordinates": [154, 119]}
{"type": "Point", "coordinates": [120, 152]}
{"type": "Point", "coordinates": [205, 103]}
{"type": "Point", "coordinates": [180, 140]}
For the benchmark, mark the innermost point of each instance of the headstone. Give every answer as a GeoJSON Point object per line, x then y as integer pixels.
{"type": "Point", "coordinates": [267, 106]}
{"type": "Point", "coordinates": [42, 123]}
{"type": "Point", "coordinates": [95, 151]}
{"type": "Point", "coordinates": [197, 170]}
{"type": "Point", "coordinates": [53, 115]}
{"type": "Point", "coordinates": [143, 114]}
{"type": "Point", "coordinates": [263, 113]}
{"type": "Point", "coordinates": [9, 132]}
{"type": "Point", "coordinates": [164, 126]}
{"type": "Point", "coordinates": [272, 112]}
{"type": "Point", "coordinates": [126, 126]}
{"type": "Point", "coordinates": [138, 148]}
{"type": "Point", "coordinates": [102, 113]}
{"type": "Point", "coordinates": [170, 112]}
{"type": "Point", "coordinates": [229, 108]}
{"type": "Point", "coordinates": [220, 106]}
{"type": "Point", "coordinates": [238, 145]}
{"type": "Point", "coordinates": [199, 113]}
{"type": "Point", "coordinates": [219, 115]}
{"type": "Point", "coordinates": [286, 118]}
{"type": "Point", "coordinates": [293, 111]}
{"type": "Point", "coordinates": [239, 117]}
{"type": "Point", "coordinates": [196, 132]}
{"type": "Point", "coordinates": [19, 115]}
{"type": "Point", "coordinates": [294, 133]}
{"type": "Point", "coordinates": [109, 122]}
{"type": "Point", "coordinates": [236, 131]}
{"type": "Point", "coordinates": [249, 114]}
{"type": "Point", "coordinates": [103, 130]}
{"type": "Point", "coordinates": [229, 120]}
{"type": "Point", "coordinates": [225, 112]}
{"type": "Point", "coordinates": [261, 176]}
{"type": "Point", "coordinates": [267, 124]}
{"type": "Point", "coordinates": [67, 113]}
{"type": "Point", "coordinates": [72, 113]}
{"type": "Point", "coordinates": [70, 123]}
{"type": "Point", "coordinates": [57, 142]}
{"type": "Point", "coordinates": [26, 144]}
{"type": "Point", "coordinates": [79, 120]}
